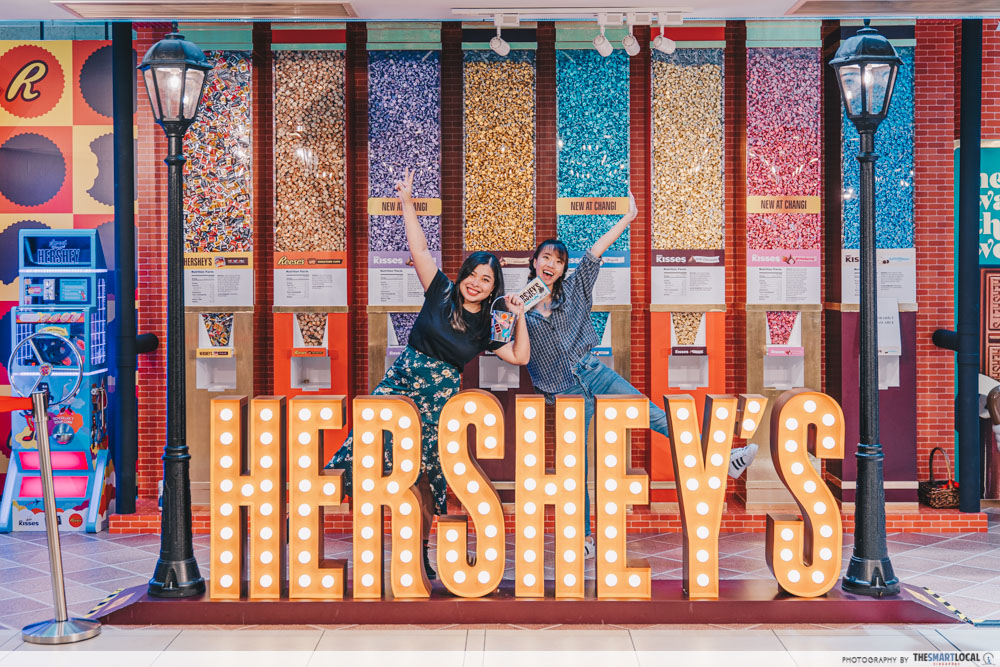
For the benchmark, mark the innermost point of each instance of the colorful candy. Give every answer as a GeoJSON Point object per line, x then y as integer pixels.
{"type": "Point", "coordinates": [499, 150]}
{"type": "Point", "coordinates": [219, 327]}
{"type": "Point", "coordinates": [310, 170]}
{"type": "Point", "coordinates": [893, 170]}
{"type": "Point", "coordinates": [218, 203]}
{"type": "Point", "coordinates": [404, 130]}
{"type": "Point", "coordinates": [592, 97]}
{"type": "Point", "coordinates": [312, 326]}
{"type": "Point", "coordinates": [688, 150]}
{"type": "Point", "coordinates": [780, 324]}
{"type": "Point", "coordinates": [783, 142]}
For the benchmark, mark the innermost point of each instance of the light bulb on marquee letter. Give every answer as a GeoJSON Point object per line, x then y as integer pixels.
{"type": "Point", "coordinates": [617, 575]}
{"type": "Point", "coordinates": [397, 415]}
{"type": "Point", "coordinates": [474, 490]}
{"type": "Point", "coordinates": [701, 462]}
{"type": "Point", "coordinates": [564, 489]}
{"type": "Point", "coordinates": [261, 491]}
{"type": "Point", "coordinates": [310, 489]}
{"type": "Point", "coordinates": [804, 555]}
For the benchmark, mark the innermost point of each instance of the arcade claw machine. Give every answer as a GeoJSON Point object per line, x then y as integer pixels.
{"type": "Point", "coordinates": [60, 343]}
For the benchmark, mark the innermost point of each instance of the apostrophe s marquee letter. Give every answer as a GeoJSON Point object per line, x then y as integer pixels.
{"type": "Point", "coordinates": [310, 488]}
{"type": "Point", "coordinates": [701, 459]}
{"type": "Point", "coordinates": [373, 417]}
{"type": "Point", "coordinates": [260, 489]}
{"type": "Point", "coordinates": [469, 483]}
{"type": "Point", "coordinates": [805, 555]}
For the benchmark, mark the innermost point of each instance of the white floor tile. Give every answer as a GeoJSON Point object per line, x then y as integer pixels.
{"type": "Point", "coordinates": [246, 640]}
{"type": "Point", "coordinates": [554, 658]}
{"type": "Point", "coordinates": [69, 656]}
{"type": "Point", "coordinates": [234, 658]}
{"type": "Point", "coordinates": [705, 640]}
{"type": "Point", "coordinates": [857, 642]}
{"type": "Point", "coordinates": [715, 658]}
{"type": "Point", "coordinates": [116, 639]}
{"type": "Point", "coordinates": [969, 638]}
{"type": "Point", "coordinates": [440, 641]}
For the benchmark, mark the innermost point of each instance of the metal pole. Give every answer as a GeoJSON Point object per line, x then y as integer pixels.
{"type": "Point", "coordinates": [967, 402]}
{"type": "Point", "coordinates": [62, 629]}
{"type": "Point", "coordinates": [125, 425]}
{"type": "Point", "coordinates": [176, 574]}
{"type": "Point", "coordinates": [870, 571]}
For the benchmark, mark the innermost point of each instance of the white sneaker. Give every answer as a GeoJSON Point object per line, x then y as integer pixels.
{"type": "Point", "coordinates": [740, 459]}
{"type": "Point", "coordinates": [589, 548]}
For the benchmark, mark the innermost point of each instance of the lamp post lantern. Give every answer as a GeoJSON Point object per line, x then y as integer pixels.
{"type": "Point", "coordinates": [174, 71]}
{"type": "Point", "coordinates": [866, 67]}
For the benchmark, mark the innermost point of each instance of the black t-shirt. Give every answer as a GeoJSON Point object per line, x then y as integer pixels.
{"type": "Point", "coordinates": [433, 335]}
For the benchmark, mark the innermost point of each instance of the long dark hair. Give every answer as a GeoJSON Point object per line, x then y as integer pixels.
{"type": "Point", "coordinates": [453, 301]}
{"type": "Point", "coordinates": [560, 248]}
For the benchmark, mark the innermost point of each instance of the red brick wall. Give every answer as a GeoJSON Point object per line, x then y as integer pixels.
{"type": "Point", "coordinates": [263, 210]}
{"type": "Point", "coordinates": [640, 163]}
{"type": "Point", "coordinates": [357, 199]}
{"type": "Point", "coordinates": [934, 94]}
{"type": "Point", "coordinates": [546, 176]}
{"type": "Point", "coordinates": [452, 147]}
{"type": "Point", "coordinates": [736, 212]}
{"type": "Point", "coordinates": [151, 274]}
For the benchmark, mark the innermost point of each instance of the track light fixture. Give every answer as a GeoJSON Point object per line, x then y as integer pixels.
{"type": "Point", "coordinates": [630, 43]}
{"type": "Point", "coordinates": [601, 42]}
{"type": "Point", "coordinates": [662, 43]}
{"type": "Point", "coordinates": [498, 43]}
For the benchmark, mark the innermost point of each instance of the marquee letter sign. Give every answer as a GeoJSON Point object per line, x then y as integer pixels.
{"type": "Point", "coordinates": [563, 489]}
{"type": "Point", "coordinates": [310, 489]}
{"type": "Point", "coordinates": [618, 486]}
{"type": "Point", "coordinates": [466, 479]}
{"type": "Point", "coordinates": [804, 555]}
{"type": "Point", "coordinates": [397, 416]}
{"type": "Point", "coordinates": [260, 489]}
{"type": "Point", "coordinates": [701, 459]}
{"type": "Point", "coordinates": [249, 470]}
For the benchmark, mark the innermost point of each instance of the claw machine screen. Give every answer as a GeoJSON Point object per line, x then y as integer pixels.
{"type": "Point", "coordinates": [59, 335]}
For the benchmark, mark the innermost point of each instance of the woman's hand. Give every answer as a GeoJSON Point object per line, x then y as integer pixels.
{"type": "Point", "coordinates": [514, 304]}
{"type": "Point", "coordinates": [404, 188]}
{"type": "Point", "coordinates": [633, 210]}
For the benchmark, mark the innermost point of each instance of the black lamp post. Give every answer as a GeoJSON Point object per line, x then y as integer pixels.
{"type": "Point", "coordinates": [866, 66]}
{"type": "Point", "coordinates": [174, 71]}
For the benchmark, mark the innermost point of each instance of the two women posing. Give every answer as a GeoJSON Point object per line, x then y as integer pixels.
{"type": "Point", "coordinates": [453, 327]}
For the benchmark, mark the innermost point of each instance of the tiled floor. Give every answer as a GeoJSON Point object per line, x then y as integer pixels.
{"type": "Point", "coordinates": [965, 569]}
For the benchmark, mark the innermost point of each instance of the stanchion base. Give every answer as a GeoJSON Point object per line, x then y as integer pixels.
{"type": "Point", "coordinates": [60, 632]}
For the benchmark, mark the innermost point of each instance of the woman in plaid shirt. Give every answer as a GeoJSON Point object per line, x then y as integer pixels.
{"type": "Point", "coordinates": [562, 337]}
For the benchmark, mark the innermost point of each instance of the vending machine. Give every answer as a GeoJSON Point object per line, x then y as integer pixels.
{"type": "Point", "coordinates": [63, 295]}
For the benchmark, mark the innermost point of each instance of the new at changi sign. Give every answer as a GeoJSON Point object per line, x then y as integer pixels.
{"type": "Point", "coordinates": [280, 445]}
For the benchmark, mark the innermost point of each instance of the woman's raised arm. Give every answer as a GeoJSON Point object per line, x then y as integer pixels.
{"type": "Point", "coordinates": [423, 260]}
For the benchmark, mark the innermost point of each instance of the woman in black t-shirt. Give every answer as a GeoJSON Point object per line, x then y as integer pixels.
{"type": "Point", "coordinates": [453, 327]}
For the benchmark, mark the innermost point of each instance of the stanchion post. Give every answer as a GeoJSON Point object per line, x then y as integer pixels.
{"type": "Point", "coordinates": [62, 629]}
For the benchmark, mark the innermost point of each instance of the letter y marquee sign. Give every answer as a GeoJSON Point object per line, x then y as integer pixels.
{"type": "Point", "coordinates": [263, 444]}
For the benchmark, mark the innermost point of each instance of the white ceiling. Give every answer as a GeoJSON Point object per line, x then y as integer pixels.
{"type": "Point", "coordinates": [437, 10]}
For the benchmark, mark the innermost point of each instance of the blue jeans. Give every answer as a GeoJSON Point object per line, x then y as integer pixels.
{"type": "Point", "coordinates": [594, 379]}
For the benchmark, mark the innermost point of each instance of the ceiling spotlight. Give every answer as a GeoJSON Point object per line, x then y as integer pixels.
{"type": "Point", "coordinates": [629, 42]}
{"type": "Point", "coordinates": [664, 44]}
{"type": "Point", "coordinates": [602, 44]}
{"type": "Point", "coordinates": [498, 43]}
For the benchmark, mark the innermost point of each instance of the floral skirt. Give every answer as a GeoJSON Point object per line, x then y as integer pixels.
{"type": "Point", "coordinates": [430, 383]}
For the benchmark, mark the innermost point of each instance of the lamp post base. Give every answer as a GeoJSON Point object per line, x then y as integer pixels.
{"type": "Point", "coordinates": [176, 579]}
{"type": "Point", "coordinates": [873, 578]}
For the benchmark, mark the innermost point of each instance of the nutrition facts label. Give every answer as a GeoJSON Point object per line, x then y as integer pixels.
{"type": "Point", "coordinates": [688, 277]}
{"type": "Point", "coordinates": [392, 280]}
{"type": "Point", "coordinates": [310, 279]}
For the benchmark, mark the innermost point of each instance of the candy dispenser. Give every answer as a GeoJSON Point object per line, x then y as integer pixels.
{"type": "Point", "coordinates": [783, 227]}
{"type": "Point", "coordinates": [218, 253]}
{"type": "Point", "coordinates": [311, 282]}
{"type": "Point", "coordinates": [688, 272]}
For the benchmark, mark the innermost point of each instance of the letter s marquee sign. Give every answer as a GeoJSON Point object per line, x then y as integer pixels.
{"type": "Point", "coordinates": [803, 554]}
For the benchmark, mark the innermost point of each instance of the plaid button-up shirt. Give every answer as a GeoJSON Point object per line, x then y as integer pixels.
{"type": "Point", "coordinates": [560, 340]}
